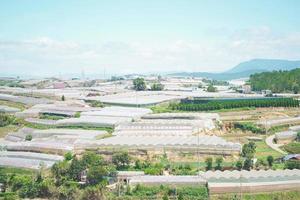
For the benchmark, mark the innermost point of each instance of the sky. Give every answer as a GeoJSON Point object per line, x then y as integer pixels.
{"type": "Point", "coordinates": [54, 37]}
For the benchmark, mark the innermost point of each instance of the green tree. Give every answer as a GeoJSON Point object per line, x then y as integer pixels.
{"type": "Point", "coordinates": [249, 150]}
{"type": "Point", "coordinates": [211, 88]}
{"type": "Point", "coordinates": [63, 97]}
{"type": "Point", "coordinates": [68, 156]}
{"type": "Point", "coordinates": [121, 160]}
{"type": "Point", "coordinates": [219, 162]}
{"type": "Point", "coordinates": [239, 165]}
{"type": "Point", "coordinates": [270, 160]}
{"type": "Point", "coordinates": [139, 84]}
{"type": "Point", "coordinates": [209, 162]}
{"type": "Point", "coordinates": [157, 87]}
{"type": "Point", "coordinates": [97, 174]}
{"type": "Point", "coordinates": [248, 164]}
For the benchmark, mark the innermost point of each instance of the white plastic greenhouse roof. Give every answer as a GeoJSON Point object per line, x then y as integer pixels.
{"type": "Point", "coordinates": [167, 180]}
{"type": "Point", "coordinates": [253, 175]}
{"type": "Point", "coordinates": [294, 128]}
{"type": "Point", "coordinates": [211, 142]}
{"type": "Point", "coordinates": [286, 135]}
{"type": "Point", "coordinates": [24, 99]}
{"type": "Point", "coordinates": [118, 111]}
{"type": "Point", "coordinates": [8, 109]}
{"type": "Point", "coordinates": [96, 121]}
{"type": "Point", "coordinates": [204, 116]}
{"type": "Point", "coordinates": [27, 159]}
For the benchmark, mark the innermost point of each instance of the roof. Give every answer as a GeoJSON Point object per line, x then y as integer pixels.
{"type": "Point", "coordinates": [166, 180]}
{"type": "Point", "coordinates": [286, 135]}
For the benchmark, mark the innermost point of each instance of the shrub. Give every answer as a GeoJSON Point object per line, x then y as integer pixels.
{"type": "Point", "coordinates": [28, 137]}
{"type": "Point", "coordinates": [157, 87]}
{"type": "Point", "coordinates": [209, 162]}
{"type": "Point", "coordinates": [270, 160]}
{"type": "Point", "coordinates": [6, 119]}
{"type": "Point", "coordinates": [292, 164]}
{"type": "Point", "coordinates": [248, 126]}
{"type": "Point", "coordinates": [211, 88]}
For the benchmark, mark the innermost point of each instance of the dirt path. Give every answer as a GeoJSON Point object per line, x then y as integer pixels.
{"type": "Point", "coordinates": [269, 142]}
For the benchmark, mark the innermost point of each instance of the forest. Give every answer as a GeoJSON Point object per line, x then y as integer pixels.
{"type": "Point", "coordinates": [276, 81]}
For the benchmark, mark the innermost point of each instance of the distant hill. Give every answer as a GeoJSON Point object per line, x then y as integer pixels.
{"type": "Point", "coordinates": [245, 69]}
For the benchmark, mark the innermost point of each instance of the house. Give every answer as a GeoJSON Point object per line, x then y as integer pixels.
{"type": "Point", "coordinates": [291, 157]}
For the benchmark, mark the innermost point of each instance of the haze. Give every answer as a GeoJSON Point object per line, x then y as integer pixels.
{"type": "Point", "coordinates": [42, 38]}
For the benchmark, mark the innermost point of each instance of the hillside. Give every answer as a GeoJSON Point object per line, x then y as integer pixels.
{"type": "Point", "coordinates": [245, 69]}
{"type": "Point", "coordinates": [277, 81]}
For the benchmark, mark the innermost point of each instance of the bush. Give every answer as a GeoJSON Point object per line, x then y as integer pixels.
{"type": "Point", "coordinates": [6, 119]}
{"type": "Point", "coordinates": [209, 162]}
{"type": "Point", "coordinates": [292, 164]}
{"type": "Point", "coordinates": [157, 87]}
{"type": "Point", "coordinates": [211, 88]}
{"type": "Point", "coordinates": [248, 126]}
{"type": "Point", "coordinates": [270, 160]}
{"type": "Point", "coordinates": [28, 137]}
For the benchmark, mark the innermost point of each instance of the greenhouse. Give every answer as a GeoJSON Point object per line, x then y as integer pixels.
{"type": "Point", "coordinates": [251, 181]}
{"type": "Point", "coordinates": [93, 121]}
{"type": "Point", "coordinates": [117, 111]}
{"type": "Point", "coordinates": [201, 144]}
{"type": "Point", "coordinates": [27, 159]}
{"type": "Point", "coordinates": [167, 180]}
{"type": "Point", "coordinates": [8, 109]}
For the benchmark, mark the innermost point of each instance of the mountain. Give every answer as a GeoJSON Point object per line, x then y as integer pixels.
{"type": "Point", "coordinates": [265, 65]}
{"type": "Point", "coordinates": [245, 69]}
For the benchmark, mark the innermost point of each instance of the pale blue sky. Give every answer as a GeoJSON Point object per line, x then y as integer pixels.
{"type": "Point", "coordinates": [64, 36]}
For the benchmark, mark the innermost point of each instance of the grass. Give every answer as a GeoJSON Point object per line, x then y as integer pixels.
{"type": "Point", "coordinates": [263, 151]}
{"type": "Point", "coordinates": [7, 129]}
{"type": "Point", "coordinates": [293, 148]}
{"type": "Point", "coordinates": [51, 117]}
{"type": "Point", "coordinates": [284, 195]}
{"type": "Point", "coordinates": [42, 126]}
{"type": "Point", "coordinates": [13, 104]}
{"type": "Point", "coordinates": [13, 170]}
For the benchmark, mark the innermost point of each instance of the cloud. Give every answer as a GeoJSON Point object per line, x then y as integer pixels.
{"type": "Point", "coordinates": [47, 56]}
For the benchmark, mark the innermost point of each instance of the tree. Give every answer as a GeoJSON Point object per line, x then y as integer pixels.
{"type": "Point", "coordinates": [96, 175]}
{"type": "Point", "coordinates": [298, 136]}
{"type": "Point", "coordinates": [157, 87]}
{"type": "Point", "coordinates": [239, 165]}
{"type": "Point", "coordinates": [139, 84]}
{"type": "Point", "coordinates": [121, 160]}
{"type": "Point", "coordinates": [248, 164]}
{"type": "Point", "coordinates": [249, 150]}
{"type": "Point", "coordinates": [211, 88]}
{"type": "Point", "coordinates": [209, 162]}
{"type": "Point", "coordinates": [270, 160]}
{"type": "Point", "coordinates": [219, 162]}
{"type": "Point", "coordinates": [63, 97]}
{"type": "Point", "coordinates": [68, 156]}
{"type": "Point", "coordinates": [92, 193]}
